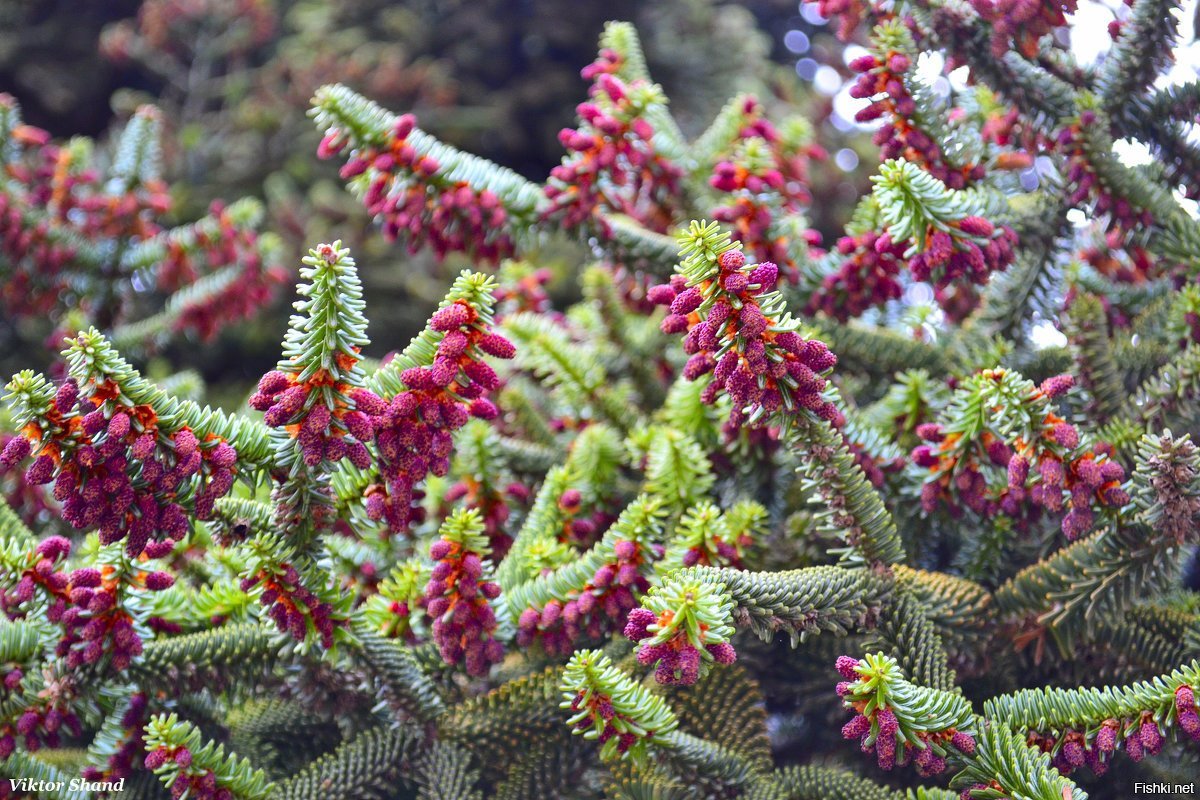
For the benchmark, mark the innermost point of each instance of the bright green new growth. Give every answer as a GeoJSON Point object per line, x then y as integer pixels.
{"type": "Point", "coordinates": [1086, 709]}
{"type": "Point", "coordinates": [1003, 756]}
{"type": "Point", "coordinates": [593, 687]}
{"type": "Point", "coordinates": [175, 737]}
{"type": "Point", "coordinates": [330, 329]}
{"type": "Point", "coordinates": [465, 529]}
{"type": "Point", "coordinates": [911, 202]}
{"type": "Point", "coordinates": [883, 685]}
{"type": "Point", "coordinates": [700, 612]}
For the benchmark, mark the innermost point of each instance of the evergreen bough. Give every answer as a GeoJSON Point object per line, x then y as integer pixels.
{"type": "Point", "coordinates": [440, 561]}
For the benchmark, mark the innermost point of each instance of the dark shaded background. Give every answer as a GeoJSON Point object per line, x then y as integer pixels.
{"type": "Point", "coordinates": [498, 78]}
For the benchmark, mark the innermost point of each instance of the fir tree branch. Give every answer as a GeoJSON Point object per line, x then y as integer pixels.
{"type": "Point", "coordinates": [878, 351]}
{"type": "Point", "coordinates": [1061, 709]}
{"type": "Point", "coordinates": [1168, 398]}
{"type": "Point", "coordinates": [1041, 97]}
{"type": "Point", "coordinates": [623, 38]}
{"type": "Point", "coordinates": [279, 736]}
{"type": "Point", "coordinates": [1075, 590]}
{"type": "Point", "coordinates": [402, 679]}
{"type": "Point", "coordinates": [1087, 329]}
{"type": "Point", "coordinates": [1141, 53]}
{"type": "Point", "coordinates": [640, 522]}
{"type": "Point", "coordinates": [572, 369]}
{"type": "Point", "coordinates": [961, 610]}
{"type": "Point", "coordinates": [12, 529]}
{"type": "Point", "coordinates": [692, 755]}
{"type": "Point", "coordinates": [815, 782]}
{"type": "Point", "coordinates": [906, 631]}
{"type": "Point", "coordinates": [630, 242]}
{"type": "Point", "coordinates": [851, 507]}
{"type": "Point", "coordinates": [92, 359]}
{"type": "Point", "coordinates": [26, 765]}
{"type": "Point", "coordinates": [508, 718]}
{"type": "Point", "coordinates": [445, 772]}
{"type": "Point", "coordinates": [802, 602]}
{"type": "Point", "coordinates": [179, 754]}
{"type": "Point", "coordinates": [1029, 287]}
{"type": "Point", "coordinates": [204, 657]}
{"type": "Point", "coordinates": [368, 766]}
{"type": "Point", "coordinates": [1003, 759]}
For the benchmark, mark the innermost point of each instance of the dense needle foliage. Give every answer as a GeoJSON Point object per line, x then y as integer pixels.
{"type": "Point", "coordinates": [912, 514]}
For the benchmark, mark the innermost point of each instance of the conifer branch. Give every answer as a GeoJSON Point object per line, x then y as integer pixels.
{"type": "Point", "coordinates": [444, 772]}
{"type": "Point", "coordinates": [1004, 766]}
{"type": "Point", "coordinates": [401, 677]}
{"type": "Point", "coordinates": [850, 506]}
{"type": "Point", "coordinates": [178, 754]}
{"type": "Point", "coordinates": [1098, 370]}
{"type": "Point", "coordinates": [1138, 56]}
{"type": "Point", "coordinates": [452, 532]}
{"type": "Point", "coordinates": [801, 602]}
{"type": "Point", "coordinates": [908, 633]}
{"type": "Point", "coordinates": [370, 765]}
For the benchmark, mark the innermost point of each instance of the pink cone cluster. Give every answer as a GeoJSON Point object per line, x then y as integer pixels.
{"type": "Point", "coordinates": [611, 162]}
{"type": "Point", "coordinates": [1118, 257]}
{"type": "Point", "coordinates": [882, 81]}
{"type": "Point", "coordinates": [716, 551]}
{"type": "Point", "coordinates": [582, 526]}
{"type": "Point", "coordinates": [413, 430]}
{"type": "Point", "coordinates": [1087, 187]}
{"type": "Point", "coordinates": [1141, 736]}
{"type": "Point", "coordinates": [48, 199]}
{"type": "Point", "coordinates": [415, 200]}
{"type": "Point", "coordinates": [968, 254]}
{"type": "Point", "coordinates": [232, 245]}
{"type": "Point", "coordinates": [760, 193]}
{"type": "Point", "coordinates": [848, 13]}
{"type": "Point", "coordinates": [1186, 714]}
{"type": "Point", "coordinates": [94, 622]}
{"type": "Point", "coordinates": [678, 660]}
{"type": "Point", "coordinates": [27, 500]}
{"type": "Point", "coordinates": [603, 706]}
{"type": "Point", "coordinates": [924, 757]}
{"type": "Point", "coordinates": [595, 610]}
{"type": "Point", "coordinates": [55, 210]}
{"type": "Point", "coordinates": [170, 27]}
{"type": "Point", "coordinates": [113, 468]}
{"type": "Point", "coordinates": [874, 468]}
{"type": "Point", "coordinates": [291, 605]}
{"type": "Point", "coordinates": [1021, 23]}
{"type": "Point", "coordinates": [763, 369]}
{"type": "Point", "coordinates": [86, 603]}
{"type": "Point", "coordinates": [300, 408]}
{"type": "Point", "coordinates": [12, 681]}
{"type": "Point", "coordinates": [39, 726]}
{"type": "Point", "coordinates": [456, 599]}
{"type": "Point", "coordinates": [527, 293]}
{"type": "Point", "coordinates": [51, 714]}
{"type": "Point", "coordinates": [41, 275]}
{"type": "Point", "coordinates": [1053, 463]}
{"type": "Point", "coordinates": [195, 783]}
{"type": "Point", "coordinates": [867, 277]}
{"type": "Point", "coordinates": [494, 507]}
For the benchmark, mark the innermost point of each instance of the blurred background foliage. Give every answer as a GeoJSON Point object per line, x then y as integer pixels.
{"type": "Point", "coordinates": [499, 78]}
